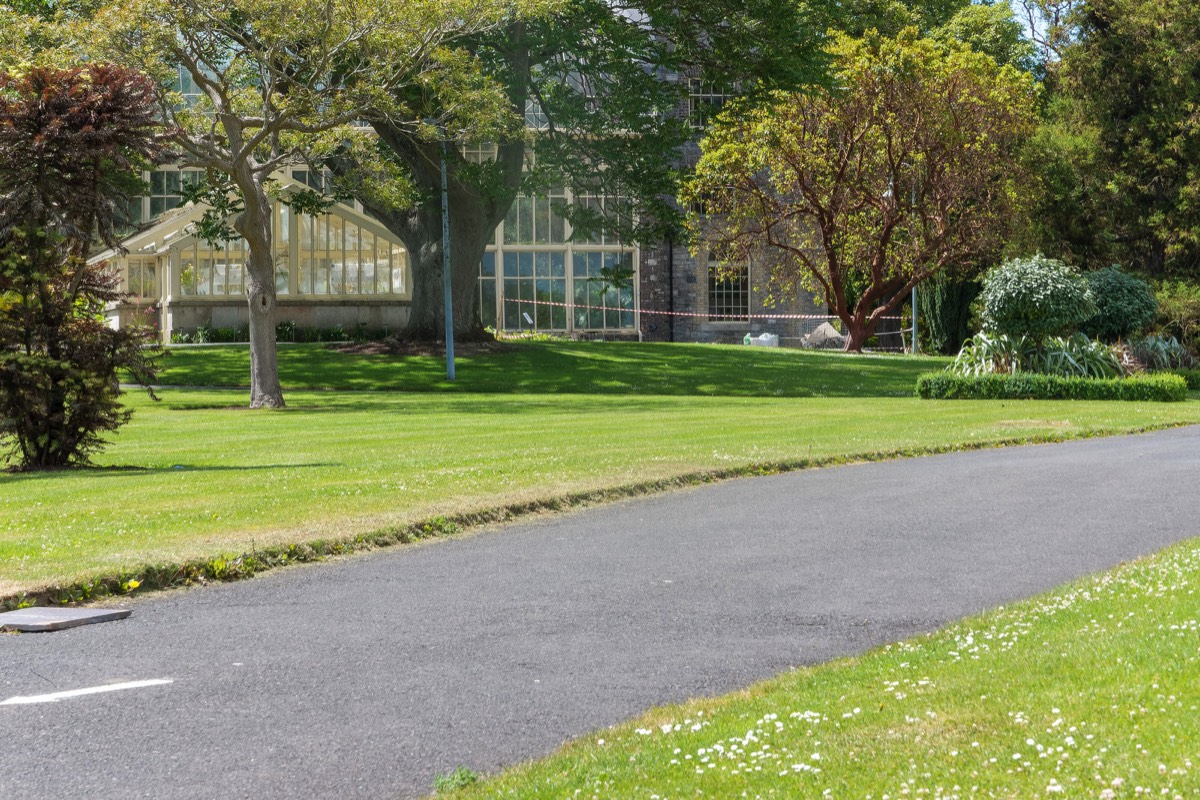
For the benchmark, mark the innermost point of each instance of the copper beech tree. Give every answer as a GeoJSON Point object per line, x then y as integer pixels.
{"type": "Point", "coordinates": [72, 144]}
{"type": "Point", "coordinates": [905, 167]}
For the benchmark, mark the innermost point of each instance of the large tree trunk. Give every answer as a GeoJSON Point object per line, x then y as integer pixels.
{"type": "Point", "coordinates": [474, 216]}
{"type": "Point", "coordinates": [876, 302]}
{"type": "Point", "coordinates": [468, 243]}
{"type": "Point", "coordinates": [255, 226]}
{"type": "Point", "coordinates": [858, 330]}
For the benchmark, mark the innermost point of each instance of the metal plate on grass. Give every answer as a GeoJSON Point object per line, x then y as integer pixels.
{"type": "Point", "coordinates": [56, 619]}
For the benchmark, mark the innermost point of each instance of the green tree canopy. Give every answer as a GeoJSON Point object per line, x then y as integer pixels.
{"type": "Point", "coordinates": [907, 167]}
{"type": "Point", "coordinates": [991, 28]}
{"type": "Point", "coordinates": [1035, 297]}
{"type": "Point", "coordinates": [599, 84]}
{"type": "Point", "coordinates": [247, 87]}
{"type": "Point", "coordinates": [1135, 70]}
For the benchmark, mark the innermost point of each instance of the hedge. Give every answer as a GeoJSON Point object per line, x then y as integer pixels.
{"type": "Point", "coordinates": [1192, 376]}
{"type": "Point", "coordinates": [1032, 386]}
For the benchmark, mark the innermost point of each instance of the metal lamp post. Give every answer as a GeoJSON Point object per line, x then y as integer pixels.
{"type": "Point", "coordinates": [446, 288]}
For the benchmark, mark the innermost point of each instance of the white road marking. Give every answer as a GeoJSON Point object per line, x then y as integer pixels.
{"type": "Point", "coordinates": [55, 697]}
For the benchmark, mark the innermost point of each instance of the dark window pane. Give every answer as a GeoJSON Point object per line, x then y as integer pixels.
{"type": "Point", "coordinates": [487, 302]}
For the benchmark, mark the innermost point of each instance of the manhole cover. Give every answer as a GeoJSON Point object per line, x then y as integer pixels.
{"type": "Point", "coordinates": [56, 619]}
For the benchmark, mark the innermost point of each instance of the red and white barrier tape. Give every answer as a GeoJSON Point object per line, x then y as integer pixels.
{"type": "Point", "coordinates": [709, 317]}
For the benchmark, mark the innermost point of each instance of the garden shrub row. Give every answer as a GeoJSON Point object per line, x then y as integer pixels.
{"type": "Point", "coordinates": [1192, 376]}
{"type": "Point", "coordinates": [286, 331]}
{"type": "Point", "coordinates": [1032, 386]}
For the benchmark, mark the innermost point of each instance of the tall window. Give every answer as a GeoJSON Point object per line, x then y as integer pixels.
{"type": "Point", "coordinates": [704, 103]}
{"type": "Point", "coordinates": [207, 270]}
{"type": "Point", "coordinates": [487, 290]}
{"type": "Point", "coordinates": [187, 87]}
{"type": "Point", "coordinates": [603, 284]}
{"type": "Point", "coordinates": [338, 257]}
{"type": "Point", "coordinates": [321, 181]}
{"type": "Point", "coordinates": [143, 278]}
{"type": "Point", "coordinates": [165, 185]}
{"type": "Point", "coordinates": [728, 290]}
{"type": "Point", "coordinates": [612, 212]}
{"type": "Point", "coordinates": [533, 220]}
{"type": "Point", "coordinates": [535, 290]}
{"type": "Point", "coordinates": [479, 153]}
{"type": "Point", "coordinates": [535, 117]}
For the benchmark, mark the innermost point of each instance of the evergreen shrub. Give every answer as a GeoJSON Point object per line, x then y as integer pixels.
{"type": "Point", "coordinates": [1158, 387]}
{"type": "Point", "coordinates": [1192, 376]}
{"type": "Point", "coordinates": [1035, 297]}
{"type": "Point", "coordinates": [1125, 304]}
{"type": "Point", "coordinates": [945, 308]}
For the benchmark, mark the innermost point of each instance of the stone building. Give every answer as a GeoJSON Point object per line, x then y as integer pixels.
{"type": "Point", "coordinates": [696, 298]}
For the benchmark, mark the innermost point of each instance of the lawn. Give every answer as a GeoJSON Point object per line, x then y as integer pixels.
{"type": "Point", "coordinates": [197, 475]}
{"type": "Point", "coordinates": [1089, 691]}
{"type": "Point", "coordinates": [570, 368]}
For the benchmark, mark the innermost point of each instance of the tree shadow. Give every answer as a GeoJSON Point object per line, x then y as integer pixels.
{"type": "Point", "coordinates": [577, 368]}
{"type": "Point", "coordinates": [117, 470]}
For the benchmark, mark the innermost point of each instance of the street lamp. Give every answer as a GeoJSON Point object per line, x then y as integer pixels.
{"type": "Point", "coordinates": [446, 288]}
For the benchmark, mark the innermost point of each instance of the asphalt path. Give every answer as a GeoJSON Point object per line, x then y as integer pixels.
{"type": "Point", "coordinates": [370, 676]}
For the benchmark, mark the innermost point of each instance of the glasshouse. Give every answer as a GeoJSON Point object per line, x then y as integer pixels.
{"type": "Point", "coordinates": [345, 270]}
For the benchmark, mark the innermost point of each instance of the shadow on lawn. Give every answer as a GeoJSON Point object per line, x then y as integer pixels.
{"type": "Point", "coordinates": [118, 470]}
{"type": "Point", "coordinates": [407, 407]}
{"type": "Point", "coordinates": [599, 368]}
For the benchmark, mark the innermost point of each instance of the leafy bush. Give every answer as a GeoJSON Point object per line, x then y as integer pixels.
{"type": "Point", "coordinates": [1179, 312]}
{"type": "Point", "coordinates": [1125, 305]}
{"type": "Point", "coordinates": [945, 309]}
{"type": "Point", "coordinates": [286, 331]}
{"type": "Point", "coordinates": [986, 354]}
{"type": "Point", "coordinates": [228, 334]}
{"type": "Point", "coordinates": [1035, 297]}
{"type": "Point", "coordinates": [72, 142]}
{"type": "Point", "coordinates": [1078, 356]}
{"type": "Point", "coordinates": [1066, 357]}
{"type": "Point", "coordinates": [1159, 352]}
{"type": "Point", "coordinates": [1192, 376]}
{"type": "Point", "coordinates": [1031, 386]}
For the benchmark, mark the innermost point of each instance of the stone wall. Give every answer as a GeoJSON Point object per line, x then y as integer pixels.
{"type": "Point", "coordinates": [674, 281]}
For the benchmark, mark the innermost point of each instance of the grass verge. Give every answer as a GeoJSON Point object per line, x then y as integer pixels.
{"type": "Point", "coordinates": [1088, 691]}
{"type": "Point", "coordinates": [198, 488]}
{"type": "Point", "coordinates": [232, 566]}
